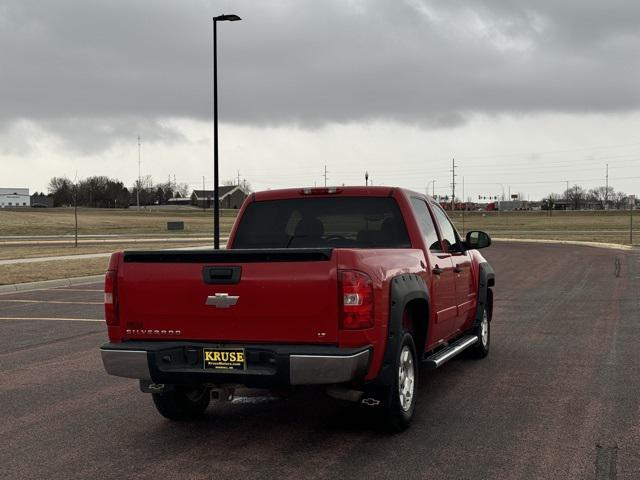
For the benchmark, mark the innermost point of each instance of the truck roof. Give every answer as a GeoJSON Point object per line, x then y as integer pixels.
{"type": "Point", "coordinates": [353, 191]}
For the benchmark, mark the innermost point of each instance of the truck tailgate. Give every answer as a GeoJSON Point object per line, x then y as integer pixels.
{"type": "Point", "coordinates": [287, 295]}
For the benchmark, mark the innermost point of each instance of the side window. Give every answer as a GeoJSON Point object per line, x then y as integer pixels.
{"type": "Point", "coordinates": [449, 237]}
{"type": "Point", "coordinates": [426, 224]}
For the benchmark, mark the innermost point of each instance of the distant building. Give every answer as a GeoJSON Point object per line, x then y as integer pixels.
{"type": "Point", "coordinates": [179, 201]}
{"type": "Point", "coordinates": [14, 197]}
{"type": "Point", "coordinates": [230, 197]}
{"type": "Point", "coordinates": [40, 200]}
{"type": "Point", "coordinates": [513, 205]}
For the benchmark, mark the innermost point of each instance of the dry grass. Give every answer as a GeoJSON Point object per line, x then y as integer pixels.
{"type": "Point", "coordinates": [34, 251]}
{"type": "Point", "coordinates": [34, 272]}
{"type": "Point", "coordinates": [60, 221]}
{"type": "Point", "coordinates": [598, 226]}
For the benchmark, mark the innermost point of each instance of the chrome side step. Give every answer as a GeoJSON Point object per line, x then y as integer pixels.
{"type": "Point", "coordinates": [447, 353]}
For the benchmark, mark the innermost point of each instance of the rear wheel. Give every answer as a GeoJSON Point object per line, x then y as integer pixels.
{"type": "Point", "coordinates": [400, 398]}
{"type": "Point", "coordinates": [182, 403]}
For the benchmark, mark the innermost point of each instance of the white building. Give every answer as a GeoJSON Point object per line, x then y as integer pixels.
{"type": "Point", "coordinates": [14, 197]}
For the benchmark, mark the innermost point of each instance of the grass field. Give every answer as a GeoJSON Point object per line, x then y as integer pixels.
{"type": "Point", "coordinates": [606, 227]}
{"type": "Point", "coordinates": [60, 221]}
{"type": "Point", "coordinates": [602, 226]}
{"type": "Point", "coordinates": [591, 226]}
{"type": "Point", "coordinates": [35, 272]}
{"type": "Point", "coordinates": [35, 251]}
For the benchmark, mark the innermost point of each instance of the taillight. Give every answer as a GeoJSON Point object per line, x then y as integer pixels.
{"type": "Point", "coordinates": [111, 298]}
{"type": "Point", "coordinates": [356, 302]}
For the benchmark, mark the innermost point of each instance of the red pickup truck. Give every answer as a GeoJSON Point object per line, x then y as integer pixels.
{"type": "Point", "coordinates": [348, 287]}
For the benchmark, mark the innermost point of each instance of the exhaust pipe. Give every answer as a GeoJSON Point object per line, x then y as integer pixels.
{"type": "Point", "coordinates": [223, 394]}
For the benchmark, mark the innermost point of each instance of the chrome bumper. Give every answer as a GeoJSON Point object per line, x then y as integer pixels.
{"type": "Point", "coordinates": [304, 369]}
{"type": "Point", "coordinates": [126, 363]}
{"type": "Point", "coordinates": [327, 369]}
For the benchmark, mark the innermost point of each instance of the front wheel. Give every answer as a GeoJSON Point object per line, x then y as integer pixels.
{"type": "Point", "coordinates": [182, 403]}
{"type": "Point", "coordinates": [480, 349]}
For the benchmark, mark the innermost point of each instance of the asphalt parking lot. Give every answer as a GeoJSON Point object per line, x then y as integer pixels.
{"type": "Point", "coordinates": [557, 398]}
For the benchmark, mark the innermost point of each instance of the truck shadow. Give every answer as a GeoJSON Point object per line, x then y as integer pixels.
{"type": "Point", "coordinates": [304, 409]}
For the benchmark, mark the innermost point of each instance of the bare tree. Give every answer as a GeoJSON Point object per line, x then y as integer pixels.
{"type": "Point", "coordinates": [577, 197]}
{"type": "Point", "coordinates": [620, 200]}
{"type": "Point", "coordinates": [62, 190]}
{"type": "Point", "coordinates": [183, 189]}
{"type": "Point", "coordinates": [549, 202]}
{"type": "Point", "coordinates": [602, 195]}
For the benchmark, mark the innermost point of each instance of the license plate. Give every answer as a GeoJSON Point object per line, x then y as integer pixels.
{"type": "Point", "coordinates": [224, 359]}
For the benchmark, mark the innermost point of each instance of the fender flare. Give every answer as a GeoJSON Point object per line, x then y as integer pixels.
{"type": "Point", "coordinates": [486, 280]}
{"type": "Point", "coordinates": [404, 288]}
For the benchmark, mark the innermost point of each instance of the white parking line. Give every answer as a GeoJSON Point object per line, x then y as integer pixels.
{"type": "Point", "coordinates": [62, 302]}
{"type": "Point", "coordinates": [53, 319]}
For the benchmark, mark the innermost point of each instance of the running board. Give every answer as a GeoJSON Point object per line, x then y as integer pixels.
{"type": "Point", "coordinates": [437, 359]}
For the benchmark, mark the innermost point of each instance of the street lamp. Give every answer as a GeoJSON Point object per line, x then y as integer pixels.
{"type": "Point", "coordinates": [216, 196]}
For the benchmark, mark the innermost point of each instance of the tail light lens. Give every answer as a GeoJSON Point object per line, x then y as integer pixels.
{"type": "Point", "coordinates": [111, 298]}
{"type": "Point", "coordinates": [356, 300]}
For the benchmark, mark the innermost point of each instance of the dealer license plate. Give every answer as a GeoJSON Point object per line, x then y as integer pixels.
{"type": "Point", "coordinates": [224, 358]}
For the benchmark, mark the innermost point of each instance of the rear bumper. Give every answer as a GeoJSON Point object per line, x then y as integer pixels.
{"type": "Point", "coordinates": [267, 365]}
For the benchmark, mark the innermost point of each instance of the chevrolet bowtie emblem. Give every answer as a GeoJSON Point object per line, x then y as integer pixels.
{"type": "Point", "coordinates": [222, 300]}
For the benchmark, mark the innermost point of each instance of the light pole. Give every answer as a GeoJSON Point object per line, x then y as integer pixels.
{"type": "Point", "coordinates": [216, 199]}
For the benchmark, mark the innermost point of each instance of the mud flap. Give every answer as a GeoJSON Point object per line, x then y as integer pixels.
{"type": "Point", "coordinates": [486, 280]}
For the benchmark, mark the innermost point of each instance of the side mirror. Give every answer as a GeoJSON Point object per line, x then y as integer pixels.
{"type": "Point", "coordinates": [477, 239]}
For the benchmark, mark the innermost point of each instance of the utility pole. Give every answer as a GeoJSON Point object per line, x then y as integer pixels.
{"type": "Point", "coordinates": [366, 179]}
{"type": "Point", "coordinates": [138, 189]}
{"type": "Point", "coordinates": [75, 208]}
{"type": "Point", "coordinates": [606, 191]}
{"type": "Point", "coordinates": [464, 205]}
{"type": "Point", "coordinates": [632, 202]}
{"type": "Point", "coordinates": [204, 195]}
{"type": "Point", "coordinates": [433, 188]}
{"type": "Point", "coordinates": [453, 184]}
{"type": "Point", "coordinates": [567, 196]}
{"type": "Point", "coordinates": [238, 178]}
{"type": "Point", "coordinates": [325, 175]}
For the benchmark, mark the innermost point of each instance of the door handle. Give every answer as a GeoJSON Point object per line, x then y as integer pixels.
{"type": "Point", "coordinates": [457, 269]}
{"type": "Point", "coordinates": [437, 270]}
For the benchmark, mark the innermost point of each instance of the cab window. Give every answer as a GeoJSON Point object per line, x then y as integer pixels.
{"type": "Point", "coordinates": [450, 240]}
{"type": "Point", "coordinates": [427, 227]}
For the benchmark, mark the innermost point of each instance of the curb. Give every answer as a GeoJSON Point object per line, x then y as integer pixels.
{"type": "Point", "coordinates": [611, 246]}
{"type": "Point", "coordinates": [62, 282]}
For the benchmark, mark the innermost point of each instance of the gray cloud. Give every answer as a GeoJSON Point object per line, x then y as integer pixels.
{"type": "Point", "coordinates": [95, 64]}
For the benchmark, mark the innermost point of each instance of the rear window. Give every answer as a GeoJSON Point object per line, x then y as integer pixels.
{"type": "Point", "coordinates": [349, 222]}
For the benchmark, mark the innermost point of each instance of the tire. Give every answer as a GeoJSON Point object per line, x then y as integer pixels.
{"type": "Point", "coordinates": [182, 403]}
{"type": "Point", "coordinates": [480, 349]}
{"type": "Point", "coordinates": [397, 410]}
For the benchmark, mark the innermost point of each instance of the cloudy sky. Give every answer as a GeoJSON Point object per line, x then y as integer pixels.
{"type": "Point", "coordinates": [524, 95]}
